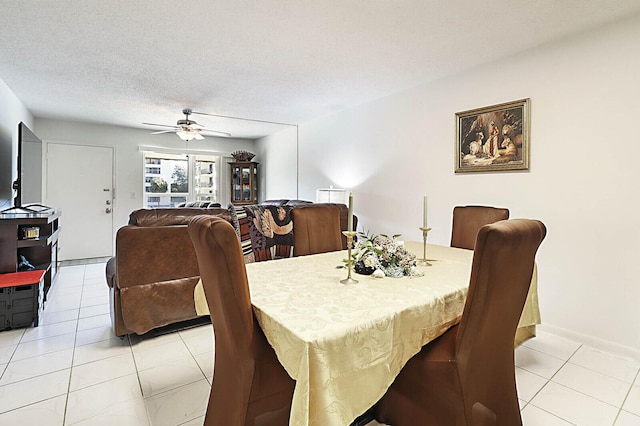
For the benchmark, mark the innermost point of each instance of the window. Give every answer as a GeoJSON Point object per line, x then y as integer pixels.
{"type": "Point", "coordinates": [205, 182]}
{"type": "Point", "coordinates": [153, 201]}
{"type": "Point", "coordinates": [179, 178]}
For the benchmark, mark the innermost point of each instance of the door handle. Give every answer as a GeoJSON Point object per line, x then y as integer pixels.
{"type": "Point", "coordinates": [107, 210]}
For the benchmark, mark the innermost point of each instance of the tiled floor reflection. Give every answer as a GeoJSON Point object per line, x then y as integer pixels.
{"type": "Point", "coordinates": [72, 370]}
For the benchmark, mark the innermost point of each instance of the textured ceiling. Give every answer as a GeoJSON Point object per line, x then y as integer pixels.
{"type": "Point", "coordinates": [288, 61]}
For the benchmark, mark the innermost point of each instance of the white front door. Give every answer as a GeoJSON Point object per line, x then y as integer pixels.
{"type": "Point", "coordinates": [80, 184]}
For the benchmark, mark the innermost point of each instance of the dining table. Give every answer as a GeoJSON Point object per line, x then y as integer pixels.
{"type": "Point", "coordinates": [344, 344]}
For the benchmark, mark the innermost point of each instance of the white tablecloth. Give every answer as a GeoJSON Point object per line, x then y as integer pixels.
{"type": "Point", "coordinates": [345, 344]}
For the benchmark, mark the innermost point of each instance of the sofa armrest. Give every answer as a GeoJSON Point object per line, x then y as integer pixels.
{"type": "Point", "coordinates": [110, 272]}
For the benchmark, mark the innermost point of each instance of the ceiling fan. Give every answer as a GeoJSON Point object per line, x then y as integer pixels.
{"type": "Point", "coordinates": [187, 129]}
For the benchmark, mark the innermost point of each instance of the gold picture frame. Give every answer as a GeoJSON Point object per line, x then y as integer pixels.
{"type": "Point", "coordinates": [493, 138]}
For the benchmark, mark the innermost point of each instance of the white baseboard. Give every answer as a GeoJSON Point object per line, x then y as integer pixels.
{"type": "Point", "coordinates": [601, 344]}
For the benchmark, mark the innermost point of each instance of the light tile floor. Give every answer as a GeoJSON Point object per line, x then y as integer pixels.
{"type": "Point", "coordinates": [72, 370]}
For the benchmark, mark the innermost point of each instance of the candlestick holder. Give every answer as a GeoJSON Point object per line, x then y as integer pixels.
{"type": "Point", "coordinates": [423, 261]}
{"type": "Point", "coordinates": [349, 235]}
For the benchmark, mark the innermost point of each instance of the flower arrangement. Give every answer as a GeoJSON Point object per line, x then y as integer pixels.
{"type": "Point", "coordinates": [381, 255]}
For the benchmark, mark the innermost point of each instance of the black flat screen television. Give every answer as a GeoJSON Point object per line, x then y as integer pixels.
{"type": "Point", "coordinates": [28, 185]}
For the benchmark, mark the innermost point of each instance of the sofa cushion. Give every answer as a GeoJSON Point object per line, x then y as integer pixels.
{"type": "Point", "coordinates": [199, 204]}
{"type": "Point", "coordinates": [284, 202]}
{"type": "Point", "coordinates": [280, 202]}
{"type": "Point", "coordinates": [297, 202]}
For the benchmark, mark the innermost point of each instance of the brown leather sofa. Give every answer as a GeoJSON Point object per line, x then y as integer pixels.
{"type": "Point", "coordinates": [152, 277]}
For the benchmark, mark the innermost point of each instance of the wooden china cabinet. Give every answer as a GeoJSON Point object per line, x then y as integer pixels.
{"type": "Point", "coordinates": [244, 182]}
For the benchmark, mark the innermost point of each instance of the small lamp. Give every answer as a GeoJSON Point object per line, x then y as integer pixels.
{"type": "Point", "coordinates": [332, 195]}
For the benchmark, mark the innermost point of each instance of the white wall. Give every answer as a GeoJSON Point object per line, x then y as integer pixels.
{"type": "Point", "coordinates": [585, 100]}
{"type": "Point", "coordinates": [12, 112]}
{"type": "Point", "coordinates": [128, 161]}
{"type": "Point", "coordinates": [278, 169]}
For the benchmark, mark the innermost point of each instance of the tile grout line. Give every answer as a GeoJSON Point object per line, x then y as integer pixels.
{"type": "Point", "coordinates": [20, 341]}
{"type": "Point", "coordinates": [530, 402]}
{"type": "Point", "coordinates": [568, 361]}
{"type": "Point", "coordinates": [182, 339]}
{"type": "Point", "coordinates": [627, 395]}
{"type": "Point", "coordinates": [552, 414]}
{"type": "Point", "coordinates": [73, 357]}
{"type": "Point", "coordinates": [194, 356]}
{"type": "Point", "coordinates": [580, 392]}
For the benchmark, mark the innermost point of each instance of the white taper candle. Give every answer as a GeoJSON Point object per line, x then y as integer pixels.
{"type": "Point", "coordinates": [350, 222]}
{"type": "Point", "coordinates": [424, 219]}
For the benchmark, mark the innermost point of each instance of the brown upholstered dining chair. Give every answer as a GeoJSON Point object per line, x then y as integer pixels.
{"type": "Point", "coordinates": [250, 386]}
{"type": "Point", "coordinates": [316, 230]}
{"type": "Point", "coordinates": [467, 375]}
{"type": "Point", "coordinates": [467, 221]}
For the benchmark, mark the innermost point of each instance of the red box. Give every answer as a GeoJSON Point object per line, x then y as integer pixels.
{"type": "Point", "coordinates": [21, 299]}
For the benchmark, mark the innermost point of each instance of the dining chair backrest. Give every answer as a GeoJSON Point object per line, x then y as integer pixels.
{"type": "Point", "coordinates": [467, 221]}
{"type": "Point", "coordinates": [241, 349]}
{"type": "Point", "coordinates": [501, 272]}
{"type": "Point", "coordinates": [316, 230]}
{"type": "Point", "coordinates": [467, 375]}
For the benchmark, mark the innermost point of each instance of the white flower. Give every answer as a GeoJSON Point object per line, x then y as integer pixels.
{"type": "Point", "coordinates": [386, 254]}
{"type": "Point", "coordinates": [370, 261]}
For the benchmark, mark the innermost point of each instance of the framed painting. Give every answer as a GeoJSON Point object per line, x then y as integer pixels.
{"type": "Point", "coordinates": [493, 138]}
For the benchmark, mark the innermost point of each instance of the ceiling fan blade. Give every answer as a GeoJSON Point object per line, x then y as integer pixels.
{"type": "Point", "coordinates": [228, 135]}
{"type": "Point", "coordinates": [198, 136]}
{"type": "Point", "coordinates": [203, 113]}
{"type": "Point", "coordinates": [187, 125]}
{"type": "Point", "coordinates": [242, 118]}
{"type": "Point", "coordinates": [159, 125]}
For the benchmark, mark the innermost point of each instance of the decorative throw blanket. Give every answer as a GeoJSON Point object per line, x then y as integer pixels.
{"type": "Point", "coordinates": [265, 232]}
{"type": "Point", "coordinates": [271, 231]}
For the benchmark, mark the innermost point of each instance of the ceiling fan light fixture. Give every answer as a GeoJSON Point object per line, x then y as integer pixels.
{"type": "Point", "coordinates": [187, 134]}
